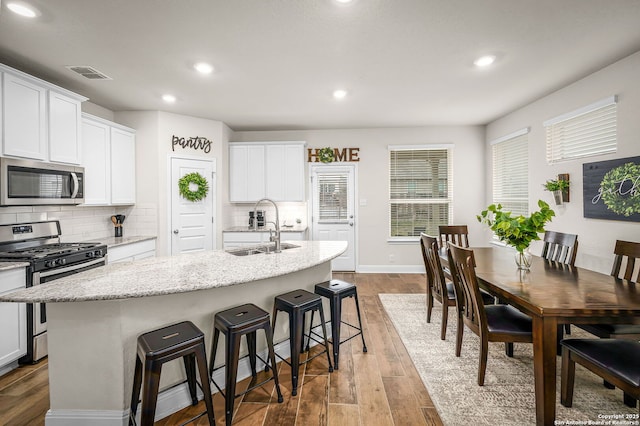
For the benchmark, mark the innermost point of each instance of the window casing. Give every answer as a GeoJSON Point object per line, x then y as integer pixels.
{"type": "Point", "coordinates": [511, 172]}
{"type": "Point", "coordinates": [420, 190]}
{"type": "Point", "coordinates": [586, 132]}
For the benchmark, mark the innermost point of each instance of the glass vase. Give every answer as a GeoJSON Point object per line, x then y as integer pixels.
{"type": "Point", "coordinates": [523, 259]}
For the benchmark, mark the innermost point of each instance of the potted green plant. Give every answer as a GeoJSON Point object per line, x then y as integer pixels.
{"type": "Point", "coordinates": [518, 231]}
{"type": "Point", "coordinates": [557, 187]}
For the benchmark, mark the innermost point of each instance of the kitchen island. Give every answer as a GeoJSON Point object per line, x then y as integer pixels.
{"type": "Point", "coordinates": [95, 317]}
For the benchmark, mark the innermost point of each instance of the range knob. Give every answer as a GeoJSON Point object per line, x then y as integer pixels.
{"type": "Point", "coordinates": [49, 264]}
{"type": "Point", "coordinates": [98, 253]}
{"type": "Point", "coordinates": [90, 254]}
{"type": "Point", "coordinates": [61, 261]}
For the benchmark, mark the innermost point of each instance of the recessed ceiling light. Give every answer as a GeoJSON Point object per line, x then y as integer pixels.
{"type": "Point", "coordinates": [484, 61]}
{"type": "Point", "coordinates": [339, 94]}
{"type": "Point", "coordinates": [169, 98]}
{"type": "Point", "coordinates": [203, 68]}
{"type": "Point", "coordinates": [344, 1]}
{"type": "Point", "coordinates": [22, 9]}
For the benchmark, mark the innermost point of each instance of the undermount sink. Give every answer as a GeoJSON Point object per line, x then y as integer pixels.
{"type": "Point", "coordinates": [268, 248]}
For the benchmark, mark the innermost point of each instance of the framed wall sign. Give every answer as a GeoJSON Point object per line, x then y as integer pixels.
{"type": "Point", "coordinates": [611, 189]}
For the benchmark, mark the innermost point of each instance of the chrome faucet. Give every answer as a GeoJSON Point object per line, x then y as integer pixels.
{"type": "Point", "coordinates": [273, 238]}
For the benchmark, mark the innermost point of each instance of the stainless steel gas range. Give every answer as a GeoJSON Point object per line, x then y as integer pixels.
{"type": "Point", "coordinates": [49, 259]}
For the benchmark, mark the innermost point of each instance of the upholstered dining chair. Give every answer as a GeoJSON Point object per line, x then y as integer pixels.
{"type": "Point", "coordinates": [492, 323]}
{"type": "Point", "coordinates": [614, 360]}
{"type": "Point", "coordinates": [624, 267]}
{"type": "Point", "coordinates": [437, 286]}
{"type": "Point", "coordinates": [456, 234]}
{"type": "Point", "coordinates": [562, 248]}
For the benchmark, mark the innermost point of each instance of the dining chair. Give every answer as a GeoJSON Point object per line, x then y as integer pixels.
{"type": "Point", "coordinates": [456, 234]}
{"type": "Point", "coordinates": [624, 267]}
{"type": "Point", "coordinates": [614, 360]}
{"type": "Point", "coordinates": [562, 248]}
{"type": "Point", "coordinates": [437, 286]}
{"type": "Point", "coordinates": [492, 323]}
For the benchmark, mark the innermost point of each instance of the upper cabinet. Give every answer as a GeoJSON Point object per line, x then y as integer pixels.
{"type": "Point", "coordinates": [109, 162]}
{"type": "Point", "coordinates": [266, 169]}
{"type": "Point", "coordinates": [39, 121]}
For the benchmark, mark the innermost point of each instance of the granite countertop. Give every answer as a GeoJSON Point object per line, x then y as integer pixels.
{"type": "Point", "coordinates": [6, 266]}
{"type": "Point", "coordinates": [295, 228]}
{"type": "Point", "coordinates": [178, 274]}
{"type": "Point", "coordinates": [121, 241]}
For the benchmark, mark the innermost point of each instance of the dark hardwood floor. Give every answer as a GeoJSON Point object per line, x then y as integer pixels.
{"type": "Point", "coordinates": [380, 387]}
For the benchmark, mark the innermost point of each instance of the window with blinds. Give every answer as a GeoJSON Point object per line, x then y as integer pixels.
{"type": "Point", "coordinates": [511, 172]}
{"type": "Point", "coordinates": [582, 133]}
{"type": "Point", "coordinates": [420, 196]}
{"type": "Point", "coordinates": [332, 198]}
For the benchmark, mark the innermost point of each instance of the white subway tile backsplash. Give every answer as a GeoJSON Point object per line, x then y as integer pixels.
{"type": "Point", "coordinates": [31, 217]}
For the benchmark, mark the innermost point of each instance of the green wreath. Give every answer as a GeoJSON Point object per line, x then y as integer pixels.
{"type": "Point", "coordinates": [610, 187]}
{"type": "Point", "coordinates": [326, 155]}
{"type": "Point", "coordinates": [196, 179]}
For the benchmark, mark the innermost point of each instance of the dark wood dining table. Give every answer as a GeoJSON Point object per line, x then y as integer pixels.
{"type": "Point", "coordinates": [553, 294]}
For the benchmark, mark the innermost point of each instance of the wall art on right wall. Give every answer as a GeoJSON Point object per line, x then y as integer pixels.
{"type": "Point", "coordinates": [611, 189]}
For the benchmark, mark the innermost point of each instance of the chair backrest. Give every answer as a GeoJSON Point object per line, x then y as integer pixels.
{"type": "Point", "coordinates": [456, 234]}
{"type": "Point", "coordinates": [560, 247]}
{"type": "Point", "coordinates": [468, 296]}
{"type": "Point", "coordinates": [626, 253]}
{"type": "Point", "coordinates": [435, 274]}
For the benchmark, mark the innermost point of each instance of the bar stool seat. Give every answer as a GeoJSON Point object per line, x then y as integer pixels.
{"type": "Point", "coordinates": [297, 303]}
{"type": "Point", "coordinates": [243, 320]}
{"type": "Point", "coordinates": [335, 291]}
{"type": "Point", "coordinates": [159, 346]}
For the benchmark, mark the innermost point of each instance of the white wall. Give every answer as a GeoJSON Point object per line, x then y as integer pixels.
{"type": "Point", "coordinates": [154, 132]}
{"type": "Point", "coordinates": [374, 252]}
{"type": "Point", "coordinates": [596, 237]}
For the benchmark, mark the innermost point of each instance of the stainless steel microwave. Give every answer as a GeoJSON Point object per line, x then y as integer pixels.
{"type": "Point", "coordinates": [26, 182]}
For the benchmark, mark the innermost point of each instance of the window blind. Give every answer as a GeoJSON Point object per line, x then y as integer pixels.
{"type": "Point", "coordinates": [589, 131]}
{"type": "Point", "coordinates": [332, 194]}
{"type": "Point", "coordinates": [419, 190]}
{"type": "Point", "coordinates": [511, 173]}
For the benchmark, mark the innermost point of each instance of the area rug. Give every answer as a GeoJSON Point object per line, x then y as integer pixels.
{"type": "Point", "coordinates": [507, 397]}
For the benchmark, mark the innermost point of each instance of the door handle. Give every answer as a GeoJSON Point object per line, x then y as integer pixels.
{"type": "Point", "coordinates": [175, 231]}
{"type": "Point", "coordinates": [350, 223]}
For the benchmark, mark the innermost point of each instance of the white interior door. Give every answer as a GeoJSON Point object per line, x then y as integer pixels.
{"type": "Point", "coordinates": [192, 222]}
{"type": "Point", "coordinates": [333, 210]}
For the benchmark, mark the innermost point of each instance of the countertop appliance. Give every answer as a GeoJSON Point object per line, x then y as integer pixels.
{"type": "Point", "coordinates": [26, 182]}
{"type": "Point", "coordinates": [261, 218]}
{"type": "Point", "coordinates": [38, 243]}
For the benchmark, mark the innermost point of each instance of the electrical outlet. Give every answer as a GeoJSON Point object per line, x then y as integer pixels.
{"type": "Point", "coordinates": [392, 258]}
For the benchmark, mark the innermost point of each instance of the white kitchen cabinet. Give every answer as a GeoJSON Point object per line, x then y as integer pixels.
{"type": "Point", "coordinates": [109, 162]}
{"type": "Point", "coordinates": [40, 121]}
{"type": "Point", "coordinates": [266, 169]}
{"type": "Point", "coordinates": [13, 318]}
{"type": "Point", "coordinates": [132, 251]}
{"type": "Point", "coordinates": [246, 173]}
{"type": "Point", "coordinates": [64, 128]}
{"type": "Point", "coordinates": [123, 166]}
{"type": "Point", "coordinates": [24, 118]}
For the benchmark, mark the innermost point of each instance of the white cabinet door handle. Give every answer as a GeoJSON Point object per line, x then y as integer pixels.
{"type": "Point", "coordinates": [175, 231]}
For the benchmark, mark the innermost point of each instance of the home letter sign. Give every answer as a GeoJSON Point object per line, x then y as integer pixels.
{"type": "Point", "coordinates": [330, 155]}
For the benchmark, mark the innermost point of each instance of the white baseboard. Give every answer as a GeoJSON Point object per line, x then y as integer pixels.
{"type": "Point", "coordinates": [169, 401]}
{"type": "Point", "coordinates": [390, 269]}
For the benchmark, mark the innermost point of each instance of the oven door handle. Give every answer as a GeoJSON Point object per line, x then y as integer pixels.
{"type": "Point", "coordinates": [71, 268]}
{"type": "Point", "coordinates": [76, 186]}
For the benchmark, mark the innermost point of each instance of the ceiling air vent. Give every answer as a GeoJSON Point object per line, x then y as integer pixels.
{"type": "Point", "coordinates": [89, 72]}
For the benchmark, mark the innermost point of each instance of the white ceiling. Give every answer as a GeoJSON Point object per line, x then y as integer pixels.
{"type": "Point", "coordinates": [404, 62]}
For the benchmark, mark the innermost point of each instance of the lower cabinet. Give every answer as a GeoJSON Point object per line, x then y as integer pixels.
{"type": "Point", "coordinates": [13, 318]}
{"type": "Point", "coordinates": [133, 251]}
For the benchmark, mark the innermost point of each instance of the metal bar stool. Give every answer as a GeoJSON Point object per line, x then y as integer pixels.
{"type": "Point", "coordinates": [297, 303]}
{"type": "Point", "coordinates": [243, 320]}
{"type": "Point", "coordinates": [335, 291]}
{"type": "Point", "coordinates": [159, 346]}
